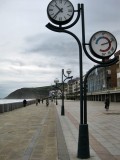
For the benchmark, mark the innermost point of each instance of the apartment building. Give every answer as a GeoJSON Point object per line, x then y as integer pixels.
{"type": "Point", "coordinates": [73, 88]}
{"type": "Point", "coordinates": [102, 82]}
{"type": "Point", "coordinates": [104, 78]}
{"type": "Point", "coordinates": [106, 83]}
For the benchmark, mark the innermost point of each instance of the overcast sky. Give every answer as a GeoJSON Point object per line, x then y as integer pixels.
{"type": "Point", "coordinates": [33, 56]}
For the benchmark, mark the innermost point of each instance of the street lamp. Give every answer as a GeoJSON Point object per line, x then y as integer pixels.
{"type": "Point", "coordinates": [56, 81]}
{"type": "Point", "coordinates": [63, 80]}
{"type": "Point", "coordinates": [96, 49]}
{"type": "Point", "coordinates": [68, 72]}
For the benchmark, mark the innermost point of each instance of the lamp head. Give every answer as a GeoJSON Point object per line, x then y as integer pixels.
{"type": "Point", "coordinates": [68, 71]}
{"type": "Point", "coordinates": [56, 80]}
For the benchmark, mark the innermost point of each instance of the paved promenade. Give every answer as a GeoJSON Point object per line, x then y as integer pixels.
{"type": "Point", "coordinates": [104, 129]}
{"type": "Point", "coordinates": [41, 133]}
{"type": "Point", "coordinates": [28, 133]}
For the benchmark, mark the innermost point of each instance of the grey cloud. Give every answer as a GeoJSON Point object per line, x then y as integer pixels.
{"type": "Point", "coordinates": [54, 46]}
{"type": "Point", "coordinates": [13, 61]}
{"type": "Point", "coordinates": [63, 51]}
{"type": "Point", "coordinates": [40, 47]}
{"type": "Point", "coordinates": [55, 65]}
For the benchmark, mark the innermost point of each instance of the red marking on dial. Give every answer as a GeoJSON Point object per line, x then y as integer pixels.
{"type": "Point", "coordinates": [109, 42]}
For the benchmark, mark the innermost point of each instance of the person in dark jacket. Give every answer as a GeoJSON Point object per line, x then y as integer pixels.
{"type": "Point", "coordinates": [24, 102]}
{"type": "Point", "coordinates": [36, 102]}
{"type": "Point", "coordinates": [107, 104]}
{"type": "Point", "coordinates": [47, 102]}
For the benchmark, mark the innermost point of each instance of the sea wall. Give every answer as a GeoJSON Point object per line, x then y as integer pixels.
{"type": "Point", "coordinates": [11, 106]}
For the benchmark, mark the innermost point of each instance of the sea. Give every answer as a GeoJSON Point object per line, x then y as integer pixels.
{"type": "Point", "coordinates": [5, 101]}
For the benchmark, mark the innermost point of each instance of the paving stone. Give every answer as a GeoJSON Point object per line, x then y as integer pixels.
{"type": "Point", "coordinates": [41, 133]}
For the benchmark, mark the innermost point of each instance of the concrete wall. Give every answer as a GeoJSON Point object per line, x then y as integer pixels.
{"type": "Point", "coordinates": [11, 106]}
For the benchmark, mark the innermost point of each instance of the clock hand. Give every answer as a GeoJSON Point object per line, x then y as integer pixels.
{"type": "Point", "coordinates": [56, 14]}
{"type": "Point", "coordinates": [106, 43]}
{"type": "Point", "coordinates": [58, 7]}
{"type": "Point", "coordinates": [60, 10]}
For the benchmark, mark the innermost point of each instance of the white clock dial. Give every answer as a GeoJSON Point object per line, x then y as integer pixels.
{"type": "Point", "coordinates": [60, 11]}
{"type": "Point", "coordinates": [103, 44]}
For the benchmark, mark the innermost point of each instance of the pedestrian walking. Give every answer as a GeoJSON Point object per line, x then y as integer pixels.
{"type": "Point", "coordinates": [47, 102]}
{"type": "Point", "coordinates": [36, 102]}
{"type": "Point", "coordinates": [24, 102]}
{"type": "Point", "coordinates": [107, 104]}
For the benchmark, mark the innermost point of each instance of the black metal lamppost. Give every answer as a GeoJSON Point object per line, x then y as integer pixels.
{"type": "Point", "coordinates": [102, 45]}
{"type": "Point", "coordinates": [63, 80]}
{"type": "Point", "coordinates": [62, 85]}
{"type": "Point", "coordinates": [56, 81]}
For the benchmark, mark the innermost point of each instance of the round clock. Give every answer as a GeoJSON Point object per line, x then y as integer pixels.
{"type": "Point", "coordinates": [103, 44]}
{"type": "Point", "coordinates": [60, 11]}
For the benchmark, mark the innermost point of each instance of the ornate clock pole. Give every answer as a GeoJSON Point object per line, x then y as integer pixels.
{"type": "Point", "coordinates": [102, 45]}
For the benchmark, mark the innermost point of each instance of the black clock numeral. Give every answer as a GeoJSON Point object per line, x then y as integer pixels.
{"type": "Point", "coordinates": [55, 1]}
{"type": "Point", "coordinates": [65, 2]}
{"type": "Point", "coordinates": [109, 53]}
{"type": "Point", "coordinates": [103, 54]}
{"type": "Point", "coordinates": [112, 49]}
{"type": "Point", "coordinates": [65, 17]}
{"type": "Point", "coordinates": [50, 10]}
{"type": "Point", "coordinates": [52, 14]}
{"type": "Point", "coordinates": [60, 1]}
{"type": "Point", "coordinates": [60, 18]}
{"type": "Point", "coordinates": [94, 38]}
{"type": "Point", "coordinates": [112, 39]}
{"type": "Point", "coordinates": [52, 5]}
{"type": "Point", "coordinates": [69, 6]}
{"type": "Point", "coordinates": [69, 10]}
{"type": "Point", "coordinates": [68, 15]}
{"type": "Point", "coordinates": [103, 33]}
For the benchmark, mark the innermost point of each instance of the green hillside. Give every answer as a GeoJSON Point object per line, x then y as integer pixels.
{"type": "Point", "coordinates": [30, 93]}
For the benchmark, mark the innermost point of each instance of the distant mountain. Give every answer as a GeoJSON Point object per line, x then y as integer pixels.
{"type": "Point", "coordinates": [30, 93]}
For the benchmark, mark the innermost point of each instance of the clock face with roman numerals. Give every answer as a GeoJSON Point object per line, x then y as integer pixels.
{"type": "Point", "coordinates": [60, 11]}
